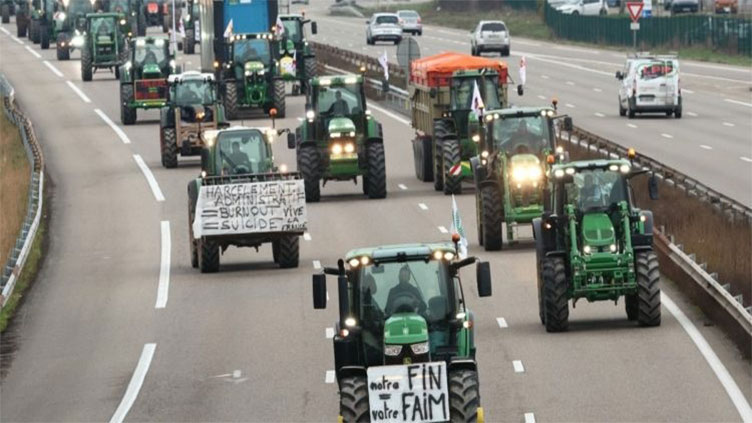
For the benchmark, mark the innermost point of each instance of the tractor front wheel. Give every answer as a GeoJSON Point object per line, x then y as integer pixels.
{"type": "Point", "coordinates": [451, 151]}
{"type": "Point", "coordinates": [555, 301]}
{"type": "Point", "coordinates": [464, 396]}
{"type": "Point", "coordinates": [44, 37]}
{"type": "Point", "coordinates": [209, 259]}
{"type": "Point", "coordinates": [63, 53]}
{"type": "Point", "coordinates": [311, 70]}
{"type": "Point", "coordinates": [353, 399]}
{"type": "Point", "coordinates": [22, 25]}
{"type": "Point", "coordinates": [127, 113]}
{"type": "Point", "coordinates": [648, 291]}
{"type": "Point", "coordinates": [86, 67]}
{"type": "Point", "coordinates": [6, 13]}
{"type": "Point", "coordinates": [231, 100]}
{"type": "Point", "coordinates": [491, 218]}
{"type": "Point", "coordinates": [289, 252]}
{"type": "Point", "coordinates": [308, 165]}
{"type": "Point", "coordinates": [423, 159]}
{"type": "Point", "coordinates": [278, 101]}
{"type": "Point", "coordinates": [34, 31]}
{"type": "Point", "coordinates": [376, 177]}
{"type": "Point", "coordinates": [169, 149]}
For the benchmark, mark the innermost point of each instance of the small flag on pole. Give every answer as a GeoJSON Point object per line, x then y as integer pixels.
{"type": "Point", "coordinates": [280, 28]}
{"type": "Point", "coordinates": [457, 228]}
{"type": "Point", "coordinates": [523, 70]}
{"type": "Point", "coordinates": [228, 30]}
{"type": "Point", "coordinates": [384, 62]}
{"type": "Point", "coordinates": [477, 102]}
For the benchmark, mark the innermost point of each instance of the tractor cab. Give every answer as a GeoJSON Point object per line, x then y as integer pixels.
{"type": "Point", "coordinates": [193, 88]}
{"type": "Point", "coordinates": [252, 56]}
{"type": "Point", "coordinates": [339, 104]}
{"type": "Point", "coordinates": [297, 59]}
{"type": "Point", "coordinates": [294, 29]}
{"type": "Point", "coordinates": [106, 35]}
{"type": "Point", "coordinates": [151, 58]}
{"type": "Point", "coordinates": [74, 16]}
{"type": "Point", "coordinates": [238, 151]}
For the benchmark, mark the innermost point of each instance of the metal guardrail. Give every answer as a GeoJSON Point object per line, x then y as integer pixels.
{"type": "Point", "coordinates": [20, 251]}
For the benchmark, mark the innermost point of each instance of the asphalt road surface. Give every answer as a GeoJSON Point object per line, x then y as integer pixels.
{"type": "Point", "coordinates": [118, 324]}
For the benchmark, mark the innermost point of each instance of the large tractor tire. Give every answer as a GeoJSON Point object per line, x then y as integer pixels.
{"type": "Point", "coordinates": [208, 261]}
{"type": "Point", "coordinates": [308, 166]}
{"type": "Point", "coordinates": [311, 71]}
{"type": "Point", "coordinates": [63, 53]}
{"type": "Point", "coordinates": [423, 159]}
{"type": "Point", "coordinates": [86, 66]}
{"type": "Point", "coordinates": [555, 301]}
{"type": "Point", "coordinates": [128, 114]}
{"type": "Point", "coordinates": [541, 303]}
{"type": "Point", "coordinates": [140, 25]}
{"type": "Point", "coordinates": [170, 149]}
{"type": "Point", "coordinates": [439, 132]}
{"type": "Point", "coordinates": [464, 396]}
{"type": "Point", "coordinates": [6, 13]}
{"type": "Point", "coordinates": [231, 100]}
{"type": "Point", "coordinates": [375, 181]}
{"type": "Point", "coordinates": [353, 399]}
{"type": "Point", "coordinates": [44, 37]}
{"type": "Point", "coordinates": [648, 291]}
{"type": "Point", "coordinates": [451, 151]}
{"type": "Point", "coordinates": [189, 46]}
{"type": "Point", "coordinates": [34, 31]}
{"type": "Point", "coordinates": [22, 25]}
{"type": "Point", "coordinates": [491, 218]}
{"type": "Point", "coordinates": [289, 252]}
{"type": "Point", "coordinates": [278, 101]}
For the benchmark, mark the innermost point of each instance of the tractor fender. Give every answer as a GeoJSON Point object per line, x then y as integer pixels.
{"type": "Point", "coordinates": [462, 364]}
{"type": "Point", "coordinates": [488, 182]}
{"type": "Point", "coordinates": [347, 371]}
{"type": "Point", "coordinates": [538, 237]}
{"type": "Point", "coordinates": [374, 129]}
{"type": "Point", "coordinates": [166, 118]}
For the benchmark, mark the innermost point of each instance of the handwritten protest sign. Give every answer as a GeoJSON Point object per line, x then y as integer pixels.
{"type": "Point", "coordinates": [409, 393]}
{"type": "Point", "coordinates": [253, 207]}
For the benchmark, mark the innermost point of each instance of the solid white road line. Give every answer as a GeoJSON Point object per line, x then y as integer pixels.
{"type": "Point", "coordinates": [733, 391]}
{"type": "Point", "coordinates": [120, 133]}
{"type": "Point", "coordinates": [135, 384]}
{"type": "Point", "coordinates": [306, 236]}
{"type": "Point", "coordinates": [684, 90]}
{"type": "Point", "coordinates": [329, 376]}
{"type": "Point", "coordinates": [737, 102]}
{"type": "Point", "coordinates": [149, 178]}
{"type": "Point", "coordinates": [54, 70]}
{"type": "Point", "coordinates": [570, 83]}
{"type": "Point", "coordinates": [669, 136]}
{"type": "Point", "coordinates": [729, 124]}
{"type": "Point", "coordinates": [422, 206]}
{"type": "Point", "coordinates": [37, 55]}
{"type": "Point", "coordinates": [502, 322]}
{"type": "Point", "coordinates": [14, 38]}
{"type": "Point", "coordinates": [402, 186]}
{"type": "Point", "coordinates": [598, 90]}
{"type": "Point", "coordinates": [544, 76]}
{"type": "Point", "coordinates": [541, 97]}
{"type": "Point", "coordinates": [518, 367]}
{"type": "Point", "coordinates": [329, 333]}
{"type": "Point", "coordinates": [443, 230]}
{"type": "Point", "coordinates": [746, 159]}
{"type": "Point", "coordinates": [390, 114]}
{"type": "Point", "coordinates": [632, 125]}
{"type": "Point", "coordinates": [599, 114]}
{"type": "Point", "coordinates": [164, 268]}
{"type": "Point", "coordinates": [570, 105]}
{"type": "Point", "coordinates": [316, 264]}
{"type": "Point", "coordinates": [692, 114]}
{"type": "Point", "coordinates": [705, 147]}
{"type": "Point", "coordinates": [529, 418]}
{"type": "Point", "coordinates": [79, 92]}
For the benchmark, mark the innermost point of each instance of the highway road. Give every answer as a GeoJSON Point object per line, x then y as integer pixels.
{"type": "Point", "coordinates": [711, 143]}
{"type": "Point", "coordinates": [119, 326]}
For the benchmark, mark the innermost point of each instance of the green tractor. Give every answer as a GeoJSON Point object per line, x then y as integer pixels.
{"type": "Point", "coordinates": [509, 172]}
{"type": "Point", "coordinates": [143, 78]}
{"type": "Point", "coordinates": [402, 311]}
{"type": "Point", "coordinates": [593, 243]}
{"type": "Point", "coordinates": [297, 59]}
{"type": "Point", "coordinates": [243, 199]}
{"type": "Point", "coordinates": [69, 27]}
{"type": "Point", "coordinates": [251, 78]}
{"type": "Point", "coordinates": [130, 10]}
{"type": "Point", "coordinates": [192, 108]}
{"type": "Point", "coordinates": [191, 26]}
{"type": "Point", "coordinates": [339, 139]}
{"type": "Point", "coordinates": [105, 44]}
{"type": "Point", "coordinates": [7, 9]}
{"type": "Point", "coordinates": [23, 16]}
{"type": "Point", "coordinates": [42, 23]}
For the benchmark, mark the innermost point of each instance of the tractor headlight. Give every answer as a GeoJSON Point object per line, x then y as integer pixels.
{"type": "Point", "coordinates": [526, 173]}
{"type": "Point", "coordinates": [122, 21]}
{"type": "Point", "coordinates": [448, 256]}
{"type": "Point", "coordinates": [559, 173]}
{"type": "Point", "coordinates": [349, 147]}
{"type": "Point", "coordinates": [476, 138]}
{"type": "Point", "coordinates": [624, 168]}
{"type": "Point", "coordinates": [337, 149]}
{"type": "Point", "coordinates": [586, 249]}
{"type": "Point", "coordinates": [310, 115]}
{"type": "Point", "coordinates": [437, 254]}
{"type": "Point", "coordinates": [612, 247]}
{"type": "Point", "coordinates": [392, 350]}
{"type": "Point", "coordinates": [354, 262]}
{"type": "Point", "coordinates": [140, 42]}
{"type": "Point", "coordinates": [350, 322]}
{"type": "Point", "coordinates": [420, 348]}
{"type": "Point", "coordinates": [335, 135]}
{"type": "Point", "coordinates": [248, 73]}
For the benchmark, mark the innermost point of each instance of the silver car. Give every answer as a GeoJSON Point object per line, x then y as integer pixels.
{"type": "Point", "coordinates": [383, 27]}
{"type": "Point", "coordinates": [490, 36]}
{"type": "Point", "coordinates": [410, 21]}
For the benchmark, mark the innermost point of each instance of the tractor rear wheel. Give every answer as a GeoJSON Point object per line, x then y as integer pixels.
{"type": "Point", "coordinates": [44, 37]}
{"type": "Point", "coordinates": [353, 399]}
{"type": "Point", "coordinates": [464, 396]}
{"type": "Point", "coordinates": [278, 101]}
{"type": "Point", "coordinates": [63, 53]}
{"type": "Point", "coordinates": [86, 72]}
{"type": "Point", "coordinates": [451, 151]}
{"type": "Point", "coordinates": [491, 217]}
{"type": "Point", "coordinates": [209, 259]}
{"type": "Point", "coordinates": [127, 113]}
{"type": "Point", "coordinates": [22, 24]}
{"type": "Point", "coordinates": [289, 252]}
{"type": "Point", "coordinates": [648, 291]}
{"type": "Point", "coordinates": [439, 131]}
{"type": "Point", "coordinates": [170, 149]}
{"type": "Point", "coordinates": [190, 42]}
{"type": "Point", "coordinates": [34, 31]}
{"type": "Point", "coordinates": [311, 70]}
{"type": "Point", "coordinates": [308, 165]}
{"type": "Point", "coordinates": [423, 159]}
{"type": "Point", "coordinates": [231, 100]}
{"type": "Point", "coordinates": [376, 172]}
{"type": "Point", "coordinates": [6, 13]}
{"type": "Point", "coordinates": [555, 301]}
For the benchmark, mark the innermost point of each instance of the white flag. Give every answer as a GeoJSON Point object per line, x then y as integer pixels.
{"type": "Point", "coordinates": [280, 28]}
{"type": "Point", "coordinates": [523, 70]}
{"type": "Point", "coordinates": [457, 228]}
{"type": "Point", "coordinates": [228, 30]}
{"type": "Point", "coordinates": [181, 28]}
{"type": "Point", "coordinates": [477, 102]}
{"type": "Point", "coordinates": [384, 62]}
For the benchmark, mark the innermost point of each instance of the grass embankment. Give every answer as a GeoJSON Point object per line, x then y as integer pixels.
{"type": "Point", "coordinates": [528, 24]}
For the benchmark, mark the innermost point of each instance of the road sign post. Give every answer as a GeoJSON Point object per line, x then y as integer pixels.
{"type": "Point", "coordinates": [635, 11]}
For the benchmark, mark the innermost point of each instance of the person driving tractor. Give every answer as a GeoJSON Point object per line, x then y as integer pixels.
{"type": "Point", "coordinates": [238, 158]}
{"type": "Point", "coordinates": [339, 107]}
{"type": "Point", "coordinates": [404, 289]}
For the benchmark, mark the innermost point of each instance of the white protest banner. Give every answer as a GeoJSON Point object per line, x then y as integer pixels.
{"type": "Point", "coordinates": [409, 393]}
{"type": "Point", "coordinates": [253, 207]}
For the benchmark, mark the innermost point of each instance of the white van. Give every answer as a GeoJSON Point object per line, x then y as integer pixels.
{"type": "Point", "coordinates": [650, 84]}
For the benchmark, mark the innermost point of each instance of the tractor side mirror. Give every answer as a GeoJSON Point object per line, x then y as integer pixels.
{"type": "Point", "coordinates": [433, 92]}
{"type": "Point", "coordinates": [344, 303]}
{"type": "Point", "coordinates": [290, 140]}
{"type": "Point", "coordinates": [568, 125]}
{"type": "Point", "coordinates": [520, 90]}
{"type": "Point", "coordinates": [483, 276]}
{"type": "Point", "coordinates": [204, 158]}
{"type": "Point", "coordinates": [319, 291]}
{"type": "Point", "coordinates": [619, 75]}
{"type": "Point", "coordinates": [653, 187]}
{"type": "Point", "coordinates": [314, 28]}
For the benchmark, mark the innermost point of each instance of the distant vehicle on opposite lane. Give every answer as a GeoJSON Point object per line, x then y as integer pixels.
{"type": "Point", "coordinates": [410, 21]}
{"type": "Point", "coordinates": [650, 84]}
{"type": "Point", "coordinates": [584, 7]}
{"type": "Point", "coordinates": [490, 36]}
{"type": "Point", "coordinates": [383, 27]}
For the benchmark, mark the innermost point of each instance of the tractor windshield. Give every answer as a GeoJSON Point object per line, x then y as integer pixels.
{"type": "Point", "coordinates": [462, 92]}
{"type": "Point", "coordinates": [251, 50]}
{"type": "Point", "coordinates": [151, 53]}
{"type": "Point", "coordinates": [522, 134]}
{"type": "Point", "coordinates": [119, 6]}
{"type": "Point", "coordinates": [193, 92]}
{"type": "Point", "coordinates": [341, 100]}
{"type": "Point", "coordinates": [103, 27]}
{"type": "Point", "coordinates": [596, 189]}
{"type": "Point", "coordinates": [242, 152]}
{"type": "Point", "coordinates": [79, 7]}
{"type": "Point", "coordinates": [293, 30]}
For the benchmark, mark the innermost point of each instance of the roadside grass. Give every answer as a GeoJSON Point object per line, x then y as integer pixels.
{"type": "Point", "coordinates": [14, 185]}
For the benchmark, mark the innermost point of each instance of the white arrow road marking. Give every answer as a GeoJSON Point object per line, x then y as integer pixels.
{"type": "Point", "coordinates": [598, 90]}
{"type": "Point", "coordinates": [502, 322]}
{"type": "Point", "coordinates": [135, 384]}
{"type": "Point", "coordinates": [149, 178]}
{"type": "Point", "coordinates": [78, 91]}
{"type": "Point", "coordinates": [164, 269]}
{"type": "Point", "coordinates": [518, 367]}
{"type": "Point", "coordinates": [120, 133]}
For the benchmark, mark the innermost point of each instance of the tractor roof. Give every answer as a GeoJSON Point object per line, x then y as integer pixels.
{"type": "Point", "coordinates": [337, 79]}
{"type": "Point", "coordinates": [190, 76]}
{"type": "Point", "coordinates": [410, 251]}
{"type": "Point", "coordinates": [581, 165]}
{"type": "Point", "coordinates": [519, 110]}
{"type": "Point", "coordinates": [103, 15]}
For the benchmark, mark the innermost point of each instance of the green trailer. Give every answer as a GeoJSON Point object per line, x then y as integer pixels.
{"type": "Point", "coordinates": [297, 59]}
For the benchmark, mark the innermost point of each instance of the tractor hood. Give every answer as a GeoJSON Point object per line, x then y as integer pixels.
{"type": "Point", "coordinates": [597, 230]}
{"type": "Point", "coordinates": [253, 67]}
{"type": "Point", "coordinates": [151, 71]}
{"type": "Point", "coordinates": [340, 125]}
{"type": "Point", "coordinates": [525, 168]}
{"type": "Point", "coordinates": [405, 328]}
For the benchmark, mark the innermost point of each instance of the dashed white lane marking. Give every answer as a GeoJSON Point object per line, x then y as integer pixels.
{"type": "Point", "coordinates": [316, 264]}
{"type": "Point", "coordinates": [423, 206]}
{"type": "Point", "coordinates": [120, 133]}
{"type": "Point", "coordinates": [390, 114]}
{"type": "Point", "coordinates": [542, 97]}
{"type": "Point", "coordinates": [443, 230]}
{"type": "Point", "coordinates": [729, 124]}
{"type": "Point", "coordinates": [16, 39]}
{"type": "Point", "coordinates": [529, 418]}
{"type": "Point", "coordinates": [733, 391]}
{"type": "Point", "coordinates": [544, 76]}
{"type": "Point", "coordinates": [598, 90]}
{"type": "Point", "coordinates": [746, 159]}
{"type": "Point", "coordinates": [149, 178]}
{"type": "Point", "coordinates": [570, 105]}
{"type": "Point", "coordinates": [135, 384]}
{"type": "Point", "coordinates": [5, 31]}
{"type": "Point", "coordinates": [705, 147]}
{"type": "Point", "coordinates": [669, 136]}
{"type": "Point", "coordinates": [632, 125]}
{"type": "Point", "coordinates": [684, 90]}
{"type": "Point", "coordinates": [570, 83]}
{"type": "Point", "coordinates": [502, 322]}
{"type": "Point", "coordinates": [692, 114]}
{"type": "Point", "coordinates": [164, 268]}
{"type": "Point", "coordinates": [37, 55]}
{"type": "Point", "coordinates": [329, 333]}
{"type": "Point", "coordinates": [402, 186]}
{"type": "Point", "coordinates": [518, 367]}
{"type": "Point", "coordinates": [599, 114]}
{"type": "Point", "coordinates": [737, 102]}
{"type": "Point", "coordinates": [306, 236]}
{"type": "Point", "coordinates": [54, 70]}
{"type": "Point", "coordinates": [329, 376]}
{"type": "Point", "coordinates": [78, 91]}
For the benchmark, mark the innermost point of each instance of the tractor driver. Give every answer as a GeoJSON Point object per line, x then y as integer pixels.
{"type": "Point", "coordinates": [404, 290]}
{"type": "Point", "coordinates": [591, 194]}
{"type": "Point", "coordinates": [151, 57]}
{"type": "Point", "coordinates": [339, 107]}
{"type": "Point", "coordinates": [523, 139]}
{"type": "Point", "coordinates": [237, 158]}
{"type": "Point", "coordinates": [104, 28]}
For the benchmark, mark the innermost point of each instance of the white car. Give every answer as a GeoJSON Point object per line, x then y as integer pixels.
{"type": "Point", "coordinates": [383, 27]}
{"type": "Point", "coordinates": [584, 7]}
{"type": "Point", "coordinates": [490, 36]}
{"type": "Point", "coordinates": [410, 21]}
{"type": "Point", "coordinates": [650, 84]}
